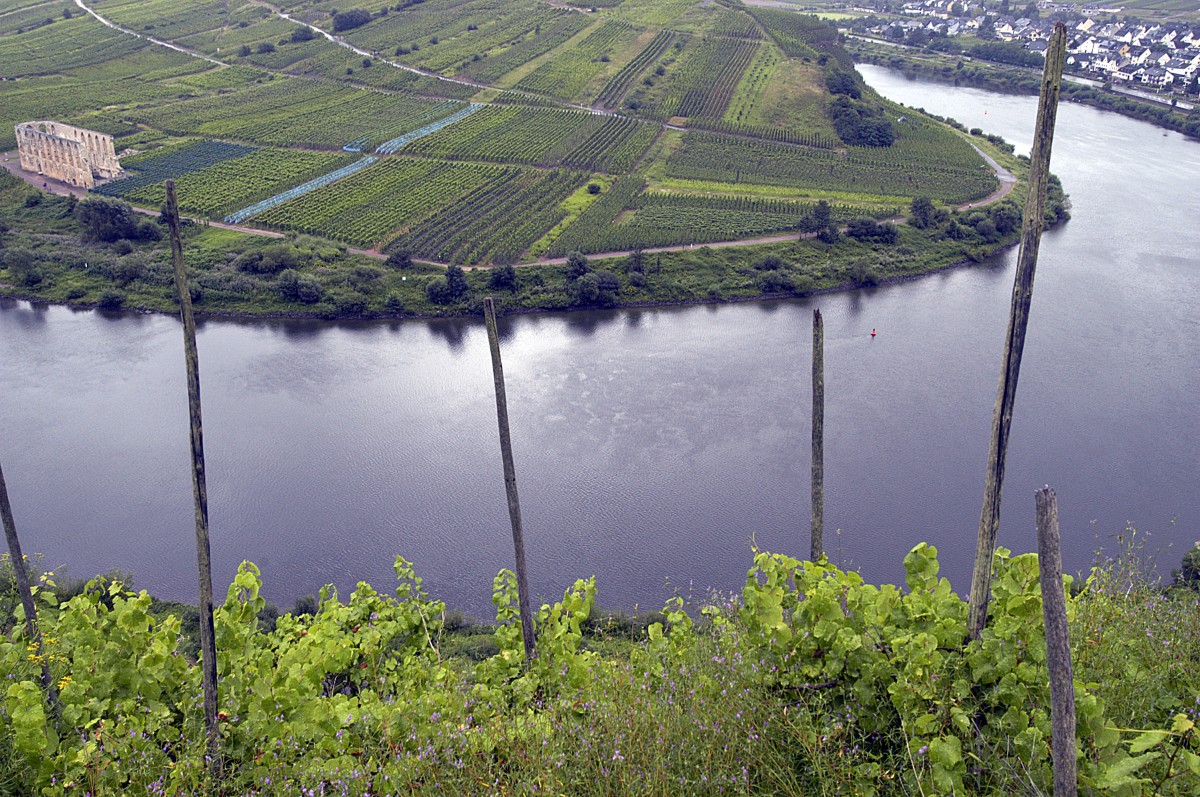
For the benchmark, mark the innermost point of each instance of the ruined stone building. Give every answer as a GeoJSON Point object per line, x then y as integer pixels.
{"type": "Point", "coordinates": [70, 154]}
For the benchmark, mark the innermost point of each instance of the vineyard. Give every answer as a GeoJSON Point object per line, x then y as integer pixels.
{"type": "Point", "coordinates": [890, 173]}
{"type": "Point", "coordinates": [479, 227]}
{"type": "Point", "coordinates": [172, 165]}
{"type": "Point", "coordinates": [540, 137]}
{"type": "Point", "coordinates": [565, 75]}
{"type": "Point", "coordinates": [612, 93]}
{"type": "Point", "coordinates": [368, 207]}
{"type": "Point", "coordinates": [296, 131]}
{"type": "Point", "coordinates": [493, 66]}
{"type": "Point", "coordinates": [299, 112]}
{"type": "Point", "coordinates": [236, 182]}
{"type": "Point", "coordinates": [64, 44]}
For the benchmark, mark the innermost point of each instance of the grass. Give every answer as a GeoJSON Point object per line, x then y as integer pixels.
{"type": "Point", "coordinates": [794, 97]}
{"type": "Point", "coordinates": [573, 206]}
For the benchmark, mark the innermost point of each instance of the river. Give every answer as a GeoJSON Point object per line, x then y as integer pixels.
{"type": "Point", "coordinates": [653, 447]}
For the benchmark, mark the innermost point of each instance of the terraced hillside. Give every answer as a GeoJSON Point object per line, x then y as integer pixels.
{"type": "Point", "coordinates": [480, 131]}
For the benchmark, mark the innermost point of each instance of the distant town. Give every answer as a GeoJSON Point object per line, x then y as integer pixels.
{"type": "Point", "coordinates": [1163, 57]}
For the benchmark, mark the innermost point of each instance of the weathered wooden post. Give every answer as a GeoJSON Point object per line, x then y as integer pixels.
{"type": "Point", "coordinates": [26, 593]}
{"type": "Point", "coordinates": [818, 438]}
{"type": "Point", "coordinates": [1058, 646]}
{"type": "Point", "coordinates": [208, 648]}
{"type": "Point", "coordinates": [510, 482]}
{"type": "Point", "coordinates": [1018, 321]}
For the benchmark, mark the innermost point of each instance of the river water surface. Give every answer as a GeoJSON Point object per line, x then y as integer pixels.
{"type": "Point", "coordinates": [653, 447]}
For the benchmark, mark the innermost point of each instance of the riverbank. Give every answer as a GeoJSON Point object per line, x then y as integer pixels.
{"type": "Point", "coordinates": [959, 71]}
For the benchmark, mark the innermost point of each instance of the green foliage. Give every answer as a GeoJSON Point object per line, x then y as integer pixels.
{"type": "Point", "coordinates": [350, 19]}
{"type": "Point", "coordinates": [106, 219]}
{"type": "Point", "coordinates": [811, 673]}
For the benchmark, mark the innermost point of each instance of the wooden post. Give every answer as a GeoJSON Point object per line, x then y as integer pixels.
{"type": "Point", "coordinates": [26, 593]}
{"type": "Point", "coordinates": [208, 648]}
{"type": "Point", "coordinates": [1018, 321]}
{"type": "Point", "coordinates": [510, 482]}
{"type": "Point", "coordinates": [1058, 646]}
{"type": "Point", "coordinates": [818, 438]}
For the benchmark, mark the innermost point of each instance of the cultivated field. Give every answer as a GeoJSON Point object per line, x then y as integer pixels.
{"type": "Point", "coordinates": [484, 131]}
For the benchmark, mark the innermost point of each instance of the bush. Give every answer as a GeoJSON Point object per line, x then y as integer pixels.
{"type": "Point", "coordinates": [264, 48]}
{"type": "Point", "coordinates": [394, 304]}
{"type": "Point", "coordinates": [294, 287]}
{"type": "Point", "coordinates": [867, 229]}
{"type": "Point", "coordinates": [106, 219]}
{"type": "Point", "coordinates": [593, 188]}
{"type": "Point", "coordinates": [577, 265]}
{"type": "Point", "coordinates": [451, 288]}
{"type": "Point", "coordinates": [776, 282]}
{"type": "Point", "coordinates": [349, 20]}
{"type": "Point", "coordinates": [399, 259]}
{"type": "Point", "coordinates": [111, 299]}
{"type": "Point", "coordinates": [503, 278]}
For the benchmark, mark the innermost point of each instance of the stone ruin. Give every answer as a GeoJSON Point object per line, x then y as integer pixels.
{"type": "Point", "coordinates": [69, 154]}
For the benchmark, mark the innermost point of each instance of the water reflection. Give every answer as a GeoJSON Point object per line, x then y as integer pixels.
{"type": "Point", "coordinates": [652, 444]}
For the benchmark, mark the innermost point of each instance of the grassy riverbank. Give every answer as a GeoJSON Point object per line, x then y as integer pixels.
{"type": "Point", "coordinates": [808, 682]}
{"type": "Point", "coordinates": [50, 250]}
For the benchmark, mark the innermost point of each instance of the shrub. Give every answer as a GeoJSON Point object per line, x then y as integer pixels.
{"type": "Point", "coordinates": [503, 278]}
{"type": "Point", "coordinates": [349, 20]}
{"type": "Point", "coordinates": [776, 282]}
{"type": "Point", "coordinates": [399, 259]}
{"type": "Point", "coordinates": [106, 219]}
{"type": "Point", "coordinates": [577, 265]}
{"type": "Point", "coordinates": [111, 299]}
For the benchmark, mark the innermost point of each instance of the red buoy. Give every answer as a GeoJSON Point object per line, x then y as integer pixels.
{"type": "Point", "coordinates": [872, 333]}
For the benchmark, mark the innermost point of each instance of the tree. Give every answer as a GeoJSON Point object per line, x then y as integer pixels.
{"type": "Point", "coordinates": [822, 214]}
{"type": "Point", "coordinates": [450, 289]}
{"type": "Point", "coordinates": [987, 28]}
{"type": "Point", "coordinates": [399, 259]}
{"type": "Point", "coordinates": [302, 33]}
{"type": "Point", "coordinates": [577, 265]}
{"type": "Point", "coordinates": [348, 20]}
{"type": "Point", "coordinates": [923, 213]}
{"type": "Point", "coordinates": [106, 219]}
{"type": "Point", "coordinates": [296, 288]}
{"type": "Point", "coordinates": [503, 278]}
{"type": "Point", "coordinates": [839, 81]}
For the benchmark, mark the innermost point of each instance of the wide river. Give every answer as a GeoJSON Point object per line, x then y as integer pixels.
{"type": "Point", "coordinates": [654, 448]}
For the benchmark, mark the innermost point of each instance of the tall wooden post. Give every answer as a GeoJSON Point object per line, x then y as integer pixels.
{"type": "Point", "coordinates": [1018, 321]}
{"type": "Point", "coordinates": [1058, 646]}
{"type": "Point", "coordinates": [818, 438]}
{"type": "Point", "coordinates": [510, 482]}
{"type": "Point", "coordinates": [26, 593]}
{"type": "Point", "coordinates": [208, 648]}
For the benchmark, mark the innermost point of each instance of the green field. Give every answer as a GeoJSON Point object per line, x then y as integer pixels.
{"type": "Point", "coordinates": [693, 121]}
